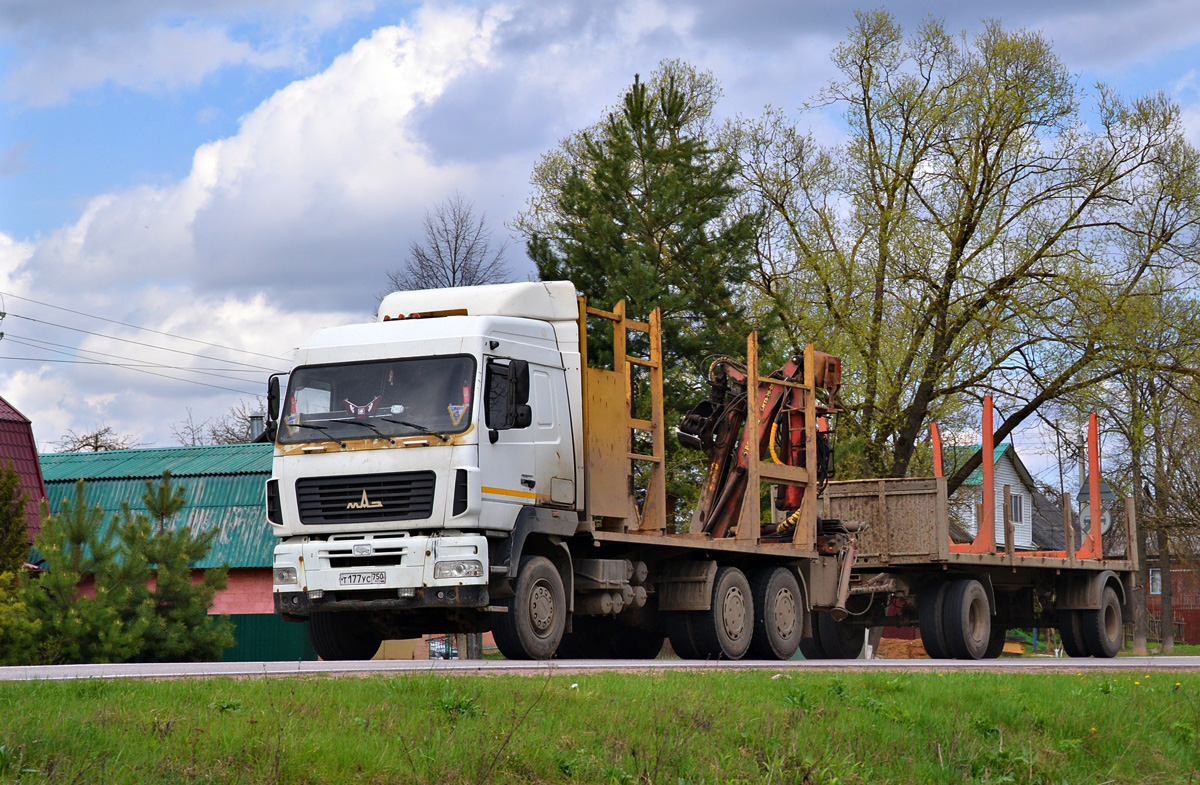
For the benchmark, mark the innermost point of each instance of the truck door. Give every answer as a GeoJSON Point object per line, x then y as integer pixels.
{"type": "Point", "coordinates": [555, 456]}
{"type": "Point", "coordinates": [507, 452]}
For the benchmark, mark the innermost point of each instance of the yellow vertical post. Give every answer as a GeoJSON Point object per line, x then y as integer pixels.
{"type": "Point", "coordinates": [654, 511]}
{"type": "Point", "coordinates": [750, 521]}
{"type": "Point", "coordinates": [805, 535]}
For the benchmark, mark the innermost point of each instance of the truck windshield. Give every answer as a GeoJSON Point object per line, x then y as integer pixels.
{"type": "Point", "coordinates": [390, 398]}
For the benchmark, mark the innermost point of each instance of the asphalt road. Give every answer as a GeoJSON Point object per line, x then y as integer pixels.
{"type": "Point", "coordinates": [452, 667]}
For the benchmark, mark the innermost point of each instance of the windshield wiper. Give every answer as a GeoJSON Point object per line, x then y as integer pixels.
{"type": "Point", "coordinates": [323, 430]}
{"type": "Point", "coordinates": [365, 424]}
{"type": "Point", "coordinates": [420, 428]}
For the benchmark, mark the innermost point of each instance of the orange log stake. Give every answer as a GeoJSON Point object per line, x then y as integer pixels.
{"type": "Point", "coordinates": [1092, 544]}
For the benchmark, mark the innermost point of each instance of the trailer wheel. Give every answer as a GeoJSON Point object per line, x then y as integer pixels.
{"type": "Point", "coordinates": [839, 641]}
{"type": "Point", "coordinates": [995, 645]}
{"type": "Point", "coordinates": [968, 625]}
{"type": "Point", "coordinates": [345, 635]}
{"type": "Point", "coordinates": [725, 629]}
{"type": "Point", "coordinates": [537, 613]}
{"type": "Point", "coordinates": [778, 608]}
{"type": "Point", "coordinates": [931, 616]}
{"type": "Point", "coordinates": [1102, 627]}
{"type": "Point", "coordinates": [1071, 632]}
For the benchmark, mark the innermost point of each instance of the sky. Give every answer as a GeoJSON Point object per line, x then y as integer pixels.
{"type": "Point", "coordinates": [193, 187]}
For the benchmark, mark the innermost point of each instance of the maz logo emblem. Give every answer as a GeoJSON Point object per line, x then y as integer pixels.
{"type": "Point", "coordinates": [365, 504]}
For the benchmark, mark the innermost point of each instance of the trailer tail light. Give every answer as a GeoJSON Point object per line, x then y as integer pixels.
{"type": "Point", "coordinates": [274, 513]}
{"type": "Point", "coordinates": [460, 493]}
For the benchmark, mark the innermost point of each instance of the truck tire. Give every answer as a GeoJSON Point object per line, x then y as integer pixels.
{"type": "Point", "coordinates": [586, 640]}
{"type": "Point", "coordinates": [593, 637]}
{"type": "Point", "coordinates": [345, 635]}
{"type": "Point", "coordinates": [778, 608]}
{"type": "Point", "coordinates": [995, 645]}
{"type": "Point", "coordinates": [680, 632]}
{"type": "Point", "coordinates": [968, 619]}
{"type": "Point", "coordinates": [838, 641]}
{"type": "Point", "coordinates": [931, 616]}
{"type": "Point", "coordinates": [724, 631]}
{"type": "Point", "coordinates": [634, 643]}
{"type": "Point", "coordinates": [810, 646]}
{"type": "Point", "coordinates": [1072, 634]}
{"type": "Point", "coordinates": [1102, 628]}
{"type": "Point", "coordinates": [537, 613]}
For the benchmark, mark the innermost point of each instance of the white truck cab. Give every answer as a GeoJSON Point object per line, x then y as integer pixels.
{"type": "Point", "coordinates": [403, 445]}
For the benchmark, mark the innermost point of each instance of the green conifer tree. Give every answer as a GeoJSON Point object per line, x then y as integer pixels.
{"type": "Point", "coordinates": [178, 626]}
{"type": "Point", "coordinates": [14, 533]}
{"type": "Point", "coordinates": [73, 626]}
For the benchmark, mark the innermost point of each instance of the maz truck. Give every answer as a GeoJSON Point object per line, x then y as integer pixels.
{"type": "Point", "coordinates": [459, 465]}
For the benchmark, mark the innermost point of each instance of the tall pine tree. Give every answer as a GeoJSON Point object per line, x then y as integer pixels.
{"type": "Point", "coordinates": [641, 208]}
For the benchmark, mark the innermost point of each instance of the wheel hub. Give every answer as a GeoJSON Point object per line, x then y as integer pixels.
{"type": "Point", "coordinates": [541, 608]}
{"type": "Point", "coordinates": [733, 613]}
{"type": "Point", "coordinates": [785, 614]}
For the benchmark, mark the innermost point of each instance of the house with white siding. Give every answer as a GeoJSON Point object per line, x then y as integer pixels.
{"type": "Point", "coordinates": [965, 502]}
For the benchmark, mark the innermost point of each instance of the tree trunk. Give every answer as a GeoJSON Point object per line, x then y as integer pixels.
{"type": "Point", "coordinates": [1164, 571]}
{"type": "Point", "coordinates": [1141, 618]}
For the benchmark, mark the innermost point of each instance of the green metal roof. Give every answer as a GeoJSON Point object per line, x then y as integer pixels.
{"type": "Point", "coordinates": [224, 490]}
{"type": "Point", "coordinates": [149, 463]}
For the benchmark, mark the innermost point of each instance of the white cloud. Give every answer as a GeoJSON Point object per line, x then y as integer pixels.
{"type": "Point", "coordinates": [14, 254]}
{"type": "Point", "coordinates": [310, 198]}
{"type": "Point", "coordinates": [65, 47]}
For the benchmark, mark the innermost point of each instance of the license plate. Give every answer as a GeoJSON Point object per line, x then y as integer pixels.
{"type": "Point", "coordinates": [360, 578]}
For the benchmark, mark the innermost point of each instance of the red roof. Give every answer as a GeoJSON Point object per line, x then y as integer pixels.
{"type": "Point", "coordinates": [17, 445]}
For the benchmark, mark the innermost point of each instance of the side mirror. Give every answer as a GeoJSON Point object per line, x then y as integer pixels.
{"type": "Point", "coordinates": [273, 399]}
{"type": "Point", "coordinates": [522, 415]}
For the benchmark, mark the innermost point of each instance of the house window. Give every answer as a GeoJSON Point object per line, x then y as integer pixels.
{"type": "Point", "coordinates": [1016, 508]}
{"type": "Point", "coordinates": [1155, 581]}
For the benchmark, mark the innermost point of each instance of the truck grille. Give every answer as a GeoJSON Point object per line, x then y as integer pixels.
{"type": "Point", "coordinates": [365, 498]}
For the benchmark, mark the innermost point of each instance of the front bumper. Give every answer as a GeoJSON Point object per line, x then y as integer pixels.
{"type": "Point", "coordinates": [380, 571]}
{"type": "Point", "coordinates": [453, 597]}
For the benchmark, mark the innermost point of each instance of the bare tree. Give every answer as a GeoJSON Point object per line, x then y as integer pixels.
{"type": "Point", "coordinates": [190, 433]}
{"type": "Point", "coordinates": [97, 440]}
{"type": "Point", "coordinates": [457, 250]}
{"type": "Point", "coordinates": [234, 427]}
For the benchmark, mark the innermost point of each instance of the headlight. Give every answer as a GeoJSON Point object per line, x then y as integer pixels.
{"type": "Point", "coordinates": [458, 569]}
{"type": "Point", "coordinates": [285, 575]}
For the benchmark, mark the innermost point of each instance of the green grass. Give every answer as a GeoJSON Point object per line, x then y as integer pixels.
{"type": "Point", "coordinates": [675, 727]}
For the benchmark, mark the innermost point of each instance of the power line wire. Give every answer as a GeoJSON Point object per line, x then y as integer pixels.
{"type": "Point", "coordinates": [130, 340]}
{"type": "Point", "coordinates": [137, 327]}
{"type": "Point", "coordinates": [130, 368]}
{"type": "Point", "coordinates": [34, 343]}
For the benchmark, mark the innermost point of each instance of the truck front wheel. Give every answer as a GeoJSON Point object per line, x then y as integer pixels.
{"type": "Point", "coordinates": [347, 635]}
{"type": "Point", "coordinates": [537, 613]}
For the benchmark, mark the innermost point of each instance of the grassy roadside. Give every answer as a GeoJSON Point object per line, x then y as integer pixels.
{"type": "Point", "coordinates": [675, 727]}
